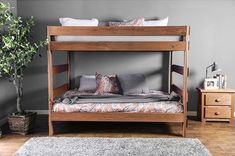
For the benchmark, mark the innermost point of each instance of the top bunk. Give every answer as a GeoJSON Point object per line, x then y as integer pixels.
{"type": "Point", "coordinates": [125, 39]}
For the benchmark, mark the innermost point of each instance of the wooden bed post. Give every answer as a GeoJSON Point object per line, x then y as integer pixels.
{"type": "Point", "coordinates": [185, 82]}
{"type": "Point", "coordinates": [50, 84]}
{"type": "Point", "coordinates": [69, 69]}
{"type": "Point", "coordinates": [170, 73]}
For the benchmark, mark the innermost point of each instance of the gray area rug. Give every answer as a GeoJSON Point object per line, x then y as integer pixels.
{"type": "Point", "coordinates": [73, 146]}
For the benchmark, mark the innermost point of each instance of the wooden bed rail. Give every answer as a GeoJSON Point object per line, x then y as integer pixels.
{"type": "Point", "coordinates": [177, 90]}
{"type": "Point", "coordinates": [111, 46]}
{"type": "Point", "coordinates": [60, 90]}
{"type": "Point", "coordinates": [178, 69]}
{"type": "Point", "coordinates": [118, 117]}
{"type": "Point", "coordinates": [128, 46]}
{"type": "Point", "coordinates": [60, 68]}
{"type": "Point", "coordinates": [117, 31]}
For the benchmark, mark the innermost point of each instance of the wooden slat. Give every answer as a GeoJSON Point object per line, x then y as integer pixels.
{"type": "Point", "coordinates": [69, 76]}
{"type": "Point", "coordinates": [177, 90]}
{"type": "Point", "coordinates": [117, 31]}
{"type": "Point", "coordinates": [178, 69]}
{"type": "Point", "coordinates": [119, 117]}
{"type": "Point", "coordinates": [60, 90]}
{"type": "Point", "coordinates": [118, 46]}
{"type": "Point", "coordinates": [60, 68]}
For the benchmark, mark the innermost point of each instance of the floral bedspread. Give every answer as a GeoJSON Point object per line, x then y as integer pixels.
{"type": "Point", "coordinates": [64, 105]}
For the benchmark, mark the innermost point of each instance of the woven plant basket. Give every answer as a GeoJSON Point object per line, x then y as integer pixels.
{"type": "Point", "coordinates": [22, 124]}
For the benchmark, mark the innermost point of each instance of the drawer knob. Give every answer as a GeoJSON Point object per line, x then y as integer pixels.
{"type": "Point", "coordinates": [218, 100]}
{"type": "Point", "coordinates": [217, 113]}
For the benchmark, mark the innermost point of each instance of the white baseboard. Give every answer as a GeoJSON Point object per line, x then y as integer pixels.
{"type": "Point", "coordinates": [41, 112]}
{"type": "Point", "coordinates": [192, 113]}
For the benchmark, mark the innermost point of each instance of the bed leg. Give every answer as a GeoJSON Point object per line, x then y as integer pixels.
{"type": "Point", "coordinates": [184, 124]}
{"type": "Point", "coordinates": [51, 128]}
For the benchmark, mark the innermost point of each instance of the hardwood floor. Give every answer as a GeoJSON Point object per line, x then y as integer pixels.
{"type": "Point", "coordinates": [218, 137]}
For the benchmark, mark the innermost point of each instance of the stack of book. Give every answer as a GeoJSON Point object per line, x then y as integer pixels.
{"type": "Point", "coordinates": [222, 81]}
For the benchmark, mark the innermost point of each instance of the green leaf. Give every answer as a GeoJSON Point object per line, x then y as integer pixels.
{"type": "Point", "coordinates": [16, 48]}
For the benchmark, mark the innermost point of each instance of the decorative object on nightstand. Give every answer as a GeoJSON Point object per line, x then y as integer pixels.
{"type": "Point", "coordinates": [222, 81]}
{"type": "Point", "coordinates": [216, 105]}
{"type": "Point", "coordinates": [212, 82]}
{"type": "Point", "coordinates": [214, 68]}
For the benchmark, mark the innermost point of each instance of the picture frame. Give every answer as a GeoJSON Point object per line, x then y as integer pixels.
{"type": "Point", "coordinates": [211, 83]}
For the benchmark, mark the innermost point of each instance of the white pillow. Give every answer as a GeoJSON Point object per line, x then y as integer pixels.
{"type": "Point", "coordinates": [161, 22]}
{"type": "Point", "coordinates": [78, 22]}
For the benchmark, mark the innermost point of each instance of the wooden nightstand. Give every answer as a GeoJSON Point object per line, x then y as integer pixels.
{"type": "Point", "coordinates": [216, 105]}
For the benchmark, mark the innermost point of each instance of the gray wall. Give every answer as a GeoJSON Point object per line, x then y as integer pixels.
{"type": "Point", "coordinates": [7, 92]}
{"type": "Point", "coordinates": [212, 39]}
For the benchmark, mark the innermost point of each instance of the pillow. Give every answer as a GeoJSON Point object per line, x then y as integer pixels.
{"type": "Point", "coordinates": [87, 83]}
{"type": "Point", "coordinates": [135, 22]}
{"type": "Point", "coordinates": [106, 84]}
{"type": "Point", "coordinates": [133, 84]}
{"type": "Point", "coordinates": [78, 22]}
{"type": "Point", "coordinates": [161, 22]}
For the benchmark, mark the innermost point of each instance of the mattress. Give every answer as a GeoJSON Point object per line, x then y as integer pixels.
{"type": "Point", "coordinates": [117, 38]}
{"type": "Point", "coordinates": [155, 101]}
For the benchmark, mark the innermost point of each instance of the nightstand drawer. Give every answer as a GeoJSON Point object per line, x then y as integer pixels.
{"type": "Point", "coordinates": [218, 99]}
{"type": "Point", "coordinates": [217, 112]}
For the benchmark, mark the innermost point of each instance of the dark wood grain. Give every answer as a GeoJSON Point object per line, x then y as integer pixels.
{"type": "Point", "coordinates": [60, 90]}
{"type": "Point", "coordinates": [60, 68]}
{"type": "Point", "coordinates": [177, 90]}
{"type": "Point", "coordinates": [178, 69]}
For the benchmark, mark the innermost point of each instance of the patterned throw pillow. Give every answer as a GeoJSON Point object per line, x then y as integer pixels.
{"type": "Point", "coordinates": [106, 84]}
{"type": "Point", "coordinates": [135, 22]}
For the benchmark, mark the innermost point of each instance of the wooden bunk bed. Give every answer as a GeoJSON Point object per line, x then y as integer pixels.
{"type": "Point", "coordinates": [117, 46]}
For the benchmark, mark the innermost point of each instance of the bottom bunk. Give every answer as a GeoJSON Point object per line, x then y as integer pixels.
{"type": "Point", "coordinates": [156, 106]}
{"type": "Point", "coordinates": [152, 102]}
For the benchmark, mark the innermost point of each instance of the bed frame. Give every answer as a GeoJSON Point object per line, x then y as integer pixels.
{"type": "Point", "coordinates": [117, 46]}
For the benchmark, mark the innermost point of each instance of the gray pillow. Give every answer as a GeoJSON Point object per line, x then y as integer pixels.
{"type": "Point", "coordinates": [133, 84]}
{"type": "Point", "coordinates": [87, 83]}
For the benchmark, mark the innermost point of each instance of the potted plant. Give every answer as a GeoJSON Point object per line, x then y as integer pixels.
{"type": "Point", "coordinates": [16, 52]}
